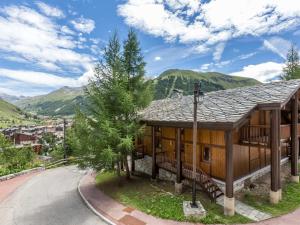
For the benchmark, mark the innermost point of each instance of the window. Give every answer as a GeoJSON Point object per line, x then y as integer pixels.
{"type": "Point", "coordinates": [206, 154]}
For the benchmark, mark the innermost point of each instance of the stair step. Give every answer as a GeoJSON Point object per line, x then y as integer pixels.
{"type": "Point", "coordinates": [218, 195]}
{"type": "Point", "coordinates": [211, 185]}
{"type": "Point", "coordinates": [206, 182]}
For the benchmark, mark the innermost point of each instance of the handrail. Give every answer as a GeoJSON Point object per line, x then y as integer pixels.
{"type": "Point", "coordinates": [58, 162]}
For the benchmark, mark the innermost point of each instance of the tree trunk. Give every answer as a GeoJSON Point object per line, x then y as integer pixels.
{"type": "Point", "coordinates": [122, 165]}
{"type": "Point", "coordinates": [118, 169]}
{"type": "Point", "coordinates": [127, 167]}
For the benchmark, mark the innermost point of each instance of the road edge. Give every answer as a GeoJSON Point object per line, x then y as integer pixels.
{"type": "Point", "coordinates": [23, 172]}
{"type": "Point", "coordinates": [90, 206]}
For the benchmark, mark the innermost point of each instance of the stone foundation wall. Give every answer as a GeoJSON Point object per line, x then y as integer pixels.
{"type": "Point", "coordinates": [166, 175]}
{"type": "Point", "coordinates": [240, 184]}
{"type": "Point", "coordinates": [145, 166]}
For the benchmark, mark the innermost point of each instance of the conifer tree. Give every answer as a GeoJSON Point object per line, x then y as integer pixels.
{"type": "Point", "coordinates": [115, 95]}
{"type": "Point", "coordinates": [292, 68]}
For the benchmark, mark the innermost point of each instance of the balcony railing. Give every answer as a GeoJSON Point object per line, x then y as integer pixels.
{"type": "Point", "coordinates": [260, 134]}
{"type": "Point", "coordinates": [255, 134]}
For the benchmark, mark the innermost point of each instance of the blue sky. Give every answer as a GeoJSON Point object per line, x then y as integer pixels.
{"type": "Point", "coordinates": [45, 45]}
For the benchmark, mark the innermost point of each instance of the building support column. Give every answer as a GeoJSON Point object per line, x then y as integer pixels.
{"type": "Point", "coordinates": [294, 140]}
{"type": "Point", "coordinates": [178, 183]}
{"type": "Point", "coordinates": [275, 193]}
{"type": "Point", "coordinates": [229, 201]}
{"type": "Point", "coordinates": [154, 169]}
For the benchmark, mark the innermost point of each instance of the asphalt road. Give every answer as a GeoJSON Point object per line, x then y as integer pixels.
{"type": "Point", "coordinates": [49, 198]}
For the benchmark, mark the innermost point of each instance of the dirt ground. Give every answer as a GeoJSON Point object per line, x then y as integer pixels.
{"type": "Point", "coordinates": [261, 186]}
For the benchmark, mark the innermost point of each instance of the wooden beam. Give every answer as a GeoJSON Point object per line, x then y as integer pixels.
{"type": "Point", "coordinates": [153, 153]}
{"type": "Point", "coordinates": [294, 138]}
{"type": "Point", "coordinates": [275, 151]}
{"type": "Point", "coordinates": [229, 164]}
{"type": "Point", "coordinates": [178, 156]}
{"type": "Point", "coordinates": [187, 124]}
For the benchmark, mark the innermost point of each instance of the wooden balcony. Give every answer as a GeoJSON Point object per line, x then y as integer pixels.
{"type": "Point", "coordinates": [255, 134]}
{"type": "Point", "coordinates": [285, 131]}
{"type": "Point", "coordinates": [260, 134]}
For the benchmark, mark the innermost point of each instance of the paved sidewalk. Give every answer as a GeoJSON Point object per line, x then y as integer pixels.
{"type": "Point", "coordinates": [9, 186]}
{"type": "Point", "coordinates": [122, 215]}
{"type": "Point", "coordinates": [114, 211]}
{"type": "Point", "coordinates": [246, 210]}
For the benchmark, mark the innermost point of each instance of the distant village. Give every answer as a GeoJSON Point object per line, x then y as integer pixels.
{"type": "Point", "coordinates": [30, 135]}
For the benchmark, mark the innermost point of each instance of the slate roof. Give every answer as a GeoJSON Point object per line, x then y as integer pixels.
{"type": "Point", "coordinates": [225, 106]}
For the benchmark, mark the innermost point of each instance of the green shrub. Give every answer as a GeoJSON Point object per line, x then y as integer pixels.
{"type": "Point", "coordinates": [17, 158]}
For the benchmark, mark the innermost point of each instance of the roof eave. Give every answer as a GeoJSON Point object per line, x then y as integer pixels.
{"type": "Point", "coordinates": [183, 124]}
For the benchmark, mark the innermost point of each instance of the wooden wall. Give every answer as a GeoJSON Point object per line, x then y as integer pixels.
{"type": "Point", "coordinates": [247, 158]}
{"type": "Point", "coordinates": [206, 138]}
{"type": "Point", "coordinates": [147, 141]}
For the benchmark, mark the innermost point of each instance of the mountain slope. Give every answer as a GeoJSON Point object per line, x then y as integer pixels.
{"type": "Point", "coordinates": [60, 102]}
{"type": "Point", "coordinates": [11, 115]}
{"type": "Point", "coordinates": [185, 79]}
{"type": "Point", "coordinates": [10, 98]}
{"type": "Point", "coordinates": [64, 101]}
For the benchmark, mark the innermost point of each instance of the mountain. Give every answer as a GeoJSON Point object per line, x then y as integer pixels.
{"type": "Point", "coordinates": [60, 102]}
{"type": "Point", "coordinates": [10, 98]}
{"type": "Point", "coordinates": [65, 100]}
{"type": "Point", "coordinates": [11, 115]}
{"type": "Point", "coordinates": [185, 79]}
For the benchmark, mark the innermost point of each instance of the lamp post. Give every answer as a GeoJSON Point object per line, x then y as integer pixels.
{"type": "Point", "coordinates": [198, 98]}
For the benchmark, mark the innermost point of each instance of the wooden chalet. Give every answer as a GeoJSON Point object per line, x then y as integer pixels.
{"type": "Point", "coordinates": [241, 132]}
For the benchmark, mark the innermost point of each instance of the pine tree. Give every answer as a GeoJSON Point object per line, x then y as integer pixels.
{"type": "Point", "coordinates": [292, 68]}
{"type": "Point", "coordinates": [116, 94]}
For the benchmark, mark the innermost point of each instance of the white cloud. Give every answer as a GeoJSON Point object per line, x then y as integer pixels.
{"type": "Point", "coordinates": [157, 58]}
{"type": "Point", "coordinates": [67, 30]}
{"type": "Point", "coordinates": [33, 37]}
{"type": "Point", "coordinates": [278, 45]}
{"type": "Point", "coordinates": [40, 78]}
{"type": "Point", "coordinates": [262, 72]}
{"type": "Point", "coordinates": [218, 51]}
{"type": "Point", "coordinates": [205, 67]}
{"type": "Point", "coordinates": [36, 41]}
{"type": "Point", "coordinates": [49, 10]}
{"type": "Point", "coordinates": [83, 25]}
{"type": "Point", "coordinates": [208, 23]}
{"type": "Point", "coordinates": [7, 91]}
{"type": "Point", "coordinates": [247, 56]}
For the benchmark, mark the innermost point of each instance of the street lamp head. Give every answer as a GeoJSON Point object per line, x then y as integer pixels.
{"type": "Point", "coordinates": [198, 93]}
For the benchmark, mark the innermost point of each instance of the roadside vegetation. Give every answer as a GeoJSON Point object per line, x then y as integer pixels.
{"type": "Point", "coordinates": [13, 160]}
{"type": "Point", "coordinates": [158, 199]}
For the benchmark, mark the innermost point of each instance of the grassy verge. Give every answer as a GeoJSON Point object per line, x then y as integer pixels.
{"type": "Point", "coordinates": [158, 199]}
{"type": "Point", "coordinates": [5, 171]}
{"type": "Point", "coordinates": [290, 200]}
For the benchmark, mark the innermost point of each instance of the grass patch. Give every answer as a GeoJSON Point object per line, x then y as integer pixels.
{"type": "Point", "coordinates": [290, 200]}
{"type": "Point", "coordinates": [158, 199]}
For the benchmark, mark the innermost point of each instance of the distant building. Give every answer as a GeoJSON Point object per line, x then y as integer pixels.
{"type": "Point", "coordinates": [24, 139]}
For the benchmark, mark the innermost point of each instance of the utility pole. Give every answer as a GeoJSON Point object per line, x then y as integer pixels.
{"type": "Point", "coordinates": [64, 143]}
{"type": "Point", "coordinates": [198, 98]}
